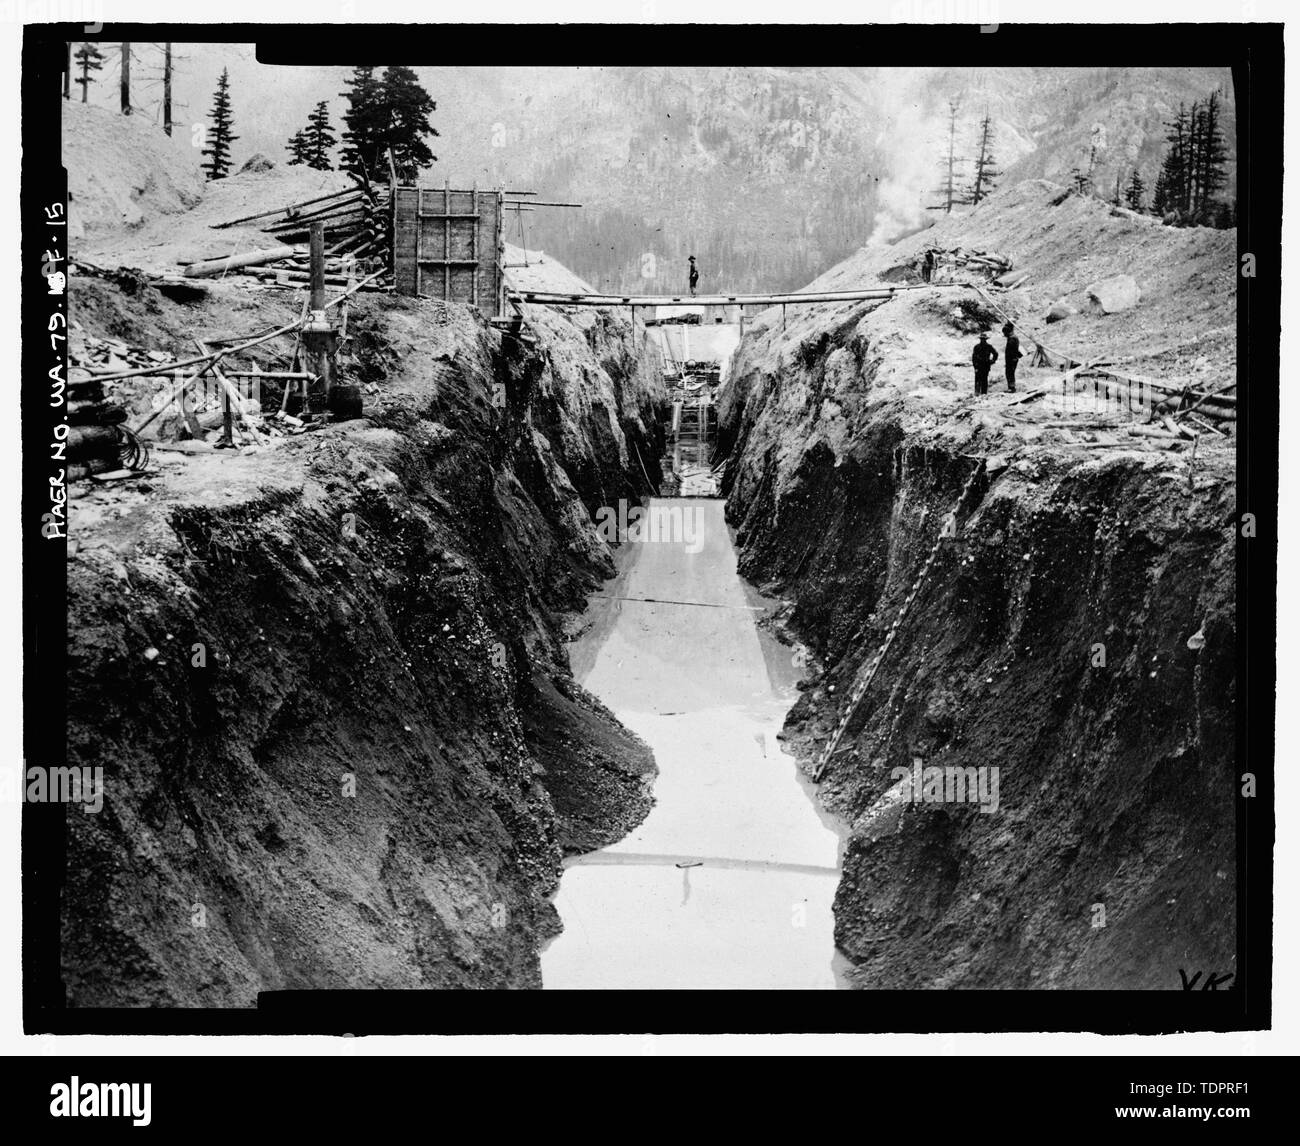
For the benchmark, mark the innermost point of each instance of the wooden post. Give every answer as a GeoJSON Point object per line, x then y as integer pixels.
{"type": "Point", "coordinates": [316, 336]}
{"type": "Point", "coordinates": [126, 78]}
{"type": "Point", "coordinates": [419, 245]}
{"type": "Point", "coordinates": [185, 409]}
{"type": "Point", "coordinates": [501, 251]}
{"type": "Point", "coordinates": [317, 267]}
{"type": "Point", "coordinates": [227, 439]}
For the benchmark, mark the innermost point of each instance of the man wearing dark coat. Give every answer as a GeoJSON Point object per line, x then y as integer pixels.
{"type": "Point", "coordinates": [982, 358]}
{"type": "Point", "coordinates": [1011, 356]}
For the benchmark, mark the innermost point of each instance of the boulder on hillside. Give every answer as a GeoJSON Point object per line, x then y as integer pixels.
{"type": "Point", "coordinates": [1109, 296]}
{"type": "Point", "coordinates": [258, 162]}
{"type": "Point", "coordinates": [1060, 309]}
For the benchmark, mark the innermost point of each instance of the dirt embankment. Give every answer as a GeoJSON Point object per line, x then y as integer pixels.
{"type": "Point", "coordinates": [340, 740]}
{"type": "Point", "coordinates": [1077, 634]}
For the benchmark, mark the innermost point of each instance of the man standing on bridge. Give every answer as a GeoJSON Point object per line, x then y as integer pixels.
{"type": "Point", "coordinates": [1011, 356]}
{"type": "Point", "coordinates": [982, 358]}
{"type": "Point", "coordinates": [695, 276]}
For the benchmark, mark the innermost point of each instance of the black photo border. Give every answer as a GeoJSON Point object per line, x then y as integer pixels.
{"type": "Point", "coordinates": [1252, 51]}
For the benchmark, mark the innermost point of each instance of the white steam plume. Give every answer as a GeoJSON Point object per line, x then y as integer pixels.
{"type": "Point", "coordinates": [910, 145]}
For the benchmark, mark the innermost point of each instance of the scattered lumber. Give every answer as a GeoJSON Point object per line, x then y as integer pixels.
{"type": "Point", "coordinates": [103, 413]}
{"type": "Point", "coordinates": [85, 440]}
{"type": "Point", "coordinates": [234, 262]}
{"type": "Point", "coordinates": [1212, 399]}
{"type": "Point", "coordinates": [179, 288]}
{"type": "Point", "coordinates": [1010, 282]}
{"type": "Point", "coordinates": [358, 223]}
{"type": "Point", "coordinates": [1209, 427]}
{"type": "Point", "coordinates": [288, 212]}
{"type": "Point", "coordinates": [1150, 432]}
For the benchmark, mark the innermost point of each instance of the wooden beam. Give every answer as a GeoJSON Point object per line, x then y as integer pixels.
{"type": "Point", "coordinates": [286, 211]}
{"type": "Point", "coordinates": [234, 262]}
{"type": "Point", "coordinates": [552, 298]}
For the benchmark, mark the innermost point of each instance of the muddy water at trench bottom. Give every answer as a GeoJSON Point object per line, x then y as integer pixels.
{"type": "Point", "coordinates": [728, 883]}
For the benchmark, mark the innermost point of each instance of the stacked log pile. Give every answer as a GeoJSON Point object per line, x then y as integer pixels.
{"type": "Point", "coordinates": [990, 264]}
{"type": "Point", "coordinates": [358, 228]}
{"type": "Point", "coordinates": [95, 437]}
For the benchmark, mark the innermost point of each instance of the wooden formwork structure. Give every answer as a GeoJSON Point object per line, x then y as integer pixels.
{"type": "Point", "coordinates": [448, 245]}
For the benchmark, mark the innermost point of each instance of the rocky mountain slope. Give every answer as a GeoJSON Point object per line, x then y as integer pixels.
{"type": "Point", "coordinates": [769, 176]}
{"type": "Point", "coordinates": [1075, 631]}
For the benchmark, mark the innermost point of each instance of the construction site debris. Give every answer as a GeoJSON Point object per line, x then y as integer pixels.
{"type": "Point", "coordinates": [235, 262]}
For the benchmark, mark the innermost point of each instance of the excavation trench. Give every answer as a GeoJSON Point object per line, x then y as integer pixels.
{"type": "Point", "coordinates": [729, 881]}
{"type": "Point", "coordinates": [327, 685]}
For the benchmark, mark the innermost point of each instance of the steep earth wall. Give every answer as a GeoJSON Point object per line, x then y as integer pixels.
{"type": "Point", "coordinates": [340, 740]}
{"type": "Point", "coordinates": [1077, 633]}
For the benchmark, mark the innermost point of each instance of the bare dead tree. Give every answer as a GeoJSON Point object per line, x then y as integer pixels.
{"type": "Point", "coordinates": [167, 88]}
{"type": "Point", "coordinates": [125, 85]}
{"type": "Point", "coordinates": [948, 188]}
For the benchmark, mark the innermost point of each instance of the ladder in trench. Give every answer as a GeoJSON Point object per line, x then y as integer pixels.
{"type": "Point", "coordinates": [864, 681]}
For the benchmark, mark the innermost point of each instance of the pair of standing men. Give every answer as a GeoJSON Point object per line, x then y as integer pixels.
{"type": "Point", "coordinates": [984, 356]}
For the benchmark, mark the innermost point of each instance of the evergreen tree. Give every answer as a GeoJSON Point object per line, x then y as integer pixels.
{"type": "Point", "coordinates": [1134, 191]}
{"type": "Point", "coordinates": [1161, 197]}
{"type": "Point", "coordinates": [1211, 155]}
{"type": "Point", "coordinates": [390, 113]}
{"type": "Point", "coordinates": [362, 132]}
{"type": "Point", "coordinates": [89, 59]}
{"type": "Point", "coordinates": [319, 137]}
{"type": "Point", "coordinates": [219, 136]}
{"type": "Point", "coordinates": [1080, 181]}
{"type": "Point", "coordinates": [298, 148]}
{"type": "Point", "coordinates": [985, 169]}
{"type": "Point", "coordinates": [408, 107]}
{"type": "Point", "coordinates": [1175, 168]}
{"type": "Point", "coordinates": [1193, 170]}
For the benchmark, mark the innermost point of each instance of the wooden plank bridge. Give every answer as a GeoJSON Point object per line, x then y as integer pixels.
{"type": "Point", "coordinates": [557, 298]}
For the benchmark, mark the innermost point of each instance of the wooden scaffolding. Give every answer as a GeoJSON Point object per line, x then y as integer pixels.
{"type": "Point", "coordinates": [448, 245]}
